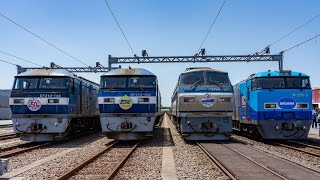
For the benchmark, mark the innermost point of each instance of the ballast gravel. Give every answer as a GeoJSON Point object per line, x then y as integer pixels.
{"type": "Point", "coordinates": [191, 162]}
{"type": "Point", "coordinates": [84, 148]}
{"type": "Point", "coordinates": [146, 160]}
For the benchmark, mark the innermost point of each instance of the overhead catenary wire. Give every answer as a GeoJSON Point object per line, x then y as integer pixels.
{"type": "Point", "coordinates": [8, 62]}
{"type": "Point", "coordinates": [291, 32]}
{"type": "Point", "coordinates": [42, 39]}
{"type": "Point", "coordinates": [300, 43]}
{"type": "Point", "coordinates": [214, 21]}
{"type": "Point", "coordinates": [20, 58]}
{"type": "Point", "coordinates": [123, 34]}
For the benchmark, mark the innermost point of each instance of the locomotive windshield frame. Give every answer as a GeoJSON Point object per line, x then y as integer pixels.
{"type": "Point", "coordinates": [281, 82]}
{"type": "Point", "coordinates": [128, 82]}
{"type": "Point", "coordinates": [42, 82]}
{"type": "Point", "coordinates": [199, 79]}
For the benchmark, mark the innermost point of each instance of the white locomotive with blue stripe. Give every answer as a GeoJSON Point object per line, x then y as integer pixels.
{"type": "Point", "coordinates": [274, 105]}
{"type": "Point", "coordinates": [48, 104]}
{"type": "Point", "coordinates": [129, 103]}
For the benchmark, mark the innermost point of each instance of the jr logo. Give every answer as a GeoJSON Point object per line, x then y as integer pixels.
{"type": "Point", "coordinates": [125, 102]}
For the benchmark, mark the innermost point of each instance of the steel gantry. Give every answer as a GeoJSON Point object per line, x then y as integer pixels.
{"type": "Point", "coordinates": [164, 59]}
{"type": "Point", "coordinates": [97, 68]}
{"type": "Point", "coordinates": [178, 59]}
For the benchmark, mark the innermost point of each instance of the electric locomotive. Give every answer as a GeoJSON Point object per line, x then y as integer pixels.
{"type": "Point", "coordinates": [202, 104]}
{"type": "Point", "coordinates": [48, 104]}
{"type": "Point", "coordinates": [129, 103]}
{"type": "Point", "coordinates": [274, 105]}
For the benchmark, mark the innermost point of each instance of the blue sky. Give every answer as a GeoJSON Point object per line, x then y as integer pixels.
{"type": "Point", "coordinates": [86, 30]}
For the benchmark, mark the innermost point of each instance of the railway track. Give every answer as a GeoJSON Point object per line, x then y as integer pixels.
{"type": "Point", "coordinates": [104, 164]}
{"type": "Point", "coordinates": [21, 148]}
{"type": "Point", "coordinates": [300, 147]}
{"type": "Point", "coordinates": [221, 167]}
{"type": "Point", "coordinates": [239, 161]}
{"type": "Point", "coordinates": [8, 136]}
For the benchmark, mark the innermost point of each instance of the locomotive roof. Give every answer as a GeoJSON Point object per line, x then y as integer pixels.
{"type": "Point", "coordinates": [47, 72]}
{"type": "Point", "coordinates": [278, 73]}
{"type": "Point", "coordinates": [202, 69]}
{"type": "Point", "coordinates": [126, 72]}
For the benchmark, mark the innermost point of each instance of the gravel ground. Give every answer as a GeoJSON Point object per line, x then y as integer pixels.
{"type": "Point", "coordinates": [11, 140]}
{"type": "Point", "coordinates": [86, 147]}
{"type": "Point", "coordinates": [103, 166]}
{"type": "Point", "coordinates": [6, 130]}
{"type": "Point", "coordinates": [146, 161]}
{"type": "Point", "coordinates": [191, 162]}
{"type": "Point", "coordinates": [292, 155]}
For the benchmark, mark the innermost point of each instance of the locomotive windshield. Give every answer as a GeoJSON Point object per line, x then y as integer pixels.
{"type": "Point", "coordinates": [113, 82]}
{"type": "Point", "coordinates": [25, 83]}
{"type": "Point", "coordinates": [54, 83]}
{"type": "Point", "coordinates": [281, 83]}
{"type": "Point", "coordinates": [220, 81]}
{"type": "Point", "coordinates": [142, 82]}
{"type": "Point", "coordinates": [136, 82]}
{"type": "Point", "coordinates": [42, 83]}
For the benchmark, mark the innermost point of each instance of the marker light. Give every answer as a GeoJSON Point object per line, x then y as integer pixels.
{"type": "Point", "coordinates": [302, 105]}
{"type": "Point", "coordinates": [53, 100]}
{"type": "Point", "coordinates": [108, 100]}
{"type": "Point", "coordinates": [143, 99]}
{"type": "Point", "coordinates": [18, 101]}
{"type": "Point", "coordinates": [188, 99]}
{"type": "Point", "coordinates": [270, 106]}
{"type": "Point", "coordinates": [225, 99]}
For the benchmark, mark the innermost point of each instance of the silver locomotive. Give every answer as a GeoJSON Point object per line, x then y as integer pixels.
{"type": "Point", "coordinates": [202, 104]}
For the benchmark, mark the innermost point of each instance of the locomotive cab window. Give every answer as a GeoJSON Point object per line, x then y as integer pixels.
{"type": "Point", "coordinates": [281, 83]}
{"type": "Point", "coordinates": [25, 83]}
{"type": "Point", "coordinates": [113, 82]}
{"type": "Point", "coordinates": [192, 78]}
{"type": "Point", "coordinates": [219, 79]}
{"type": "Point", "coordinates": [54, 83]}
{"type": "Point", "coordinates": [142, 82]}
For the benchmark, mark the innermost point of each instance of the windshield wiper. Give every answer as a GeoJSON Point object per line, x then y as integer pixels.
{"type": "Point", "coordinates": [218, 84]}
{"type": "Point", "coordinates": [195, 85]}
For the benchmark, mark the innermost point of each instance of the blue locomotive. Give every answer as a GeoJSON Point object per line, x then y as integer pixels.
{"type": "Point", "coordinates": [48, 104]}
{"type": "Point", "coordinates": [202, 104]}
{"type": "Point", "coordinates": [129, 103]}
{"type": "Point", "coordinates": [274, 105]}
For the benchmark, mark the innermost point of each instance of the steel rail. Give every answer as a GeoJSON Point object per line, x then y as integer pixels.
{"type": "Point", "coordinates": [252, 160]}
{"type": "Point", "coordinates": [8, 136]}
{"type": "Point", "coordinates": [7, 155]}
{"type": "Point", "coordinates": [304, 144]}
{"type": "Point", "coordinates": [296, 149]}
{"type": "Point", "coordinates": [221, 167]}
{"type": "Point", "coordinates": [120, 164]}
{"type": "Point", "coordinates": [86, 162]}
{"type": "Point", "coordinates": [12, 147]}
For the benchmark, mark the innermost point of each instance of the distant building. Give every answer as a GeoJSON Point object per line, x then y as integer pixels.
{"type": "Point", "coordinates": [5, 111]}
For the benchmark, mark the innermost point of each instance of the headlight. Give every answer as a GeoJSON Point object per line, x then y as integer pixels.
{"type": "Point", "coordinates": [143, 99]}
{"type": "Point", "coordinates": [188, 99]}
{"type": "Point", "coordinates": [53, 100]}
{"type": "Point", "coordinates": [108, 100]}
{"type": "Point", "coordinates": [18, 101]}
{"type": "Point", "coordinates": [225, 99]}
{"type": "Point", "coordinates": [270, 106]}
{"type": "Point", "coordinates": [302, 105]}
